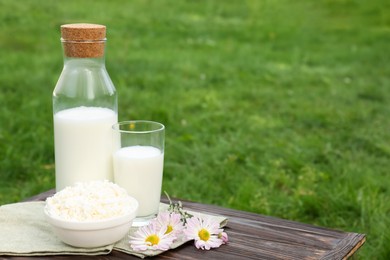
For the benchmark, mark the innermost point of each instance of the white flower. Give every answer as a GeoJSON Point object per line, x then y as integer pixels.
{"type": "Point", "coordinates": [151, 237]}
{"type": "Point", "coordinates": [205, 232]}
{"type": "Point", "coordinates": [171, 222]}
{"type": "Point", "coordinates": [178, 224]}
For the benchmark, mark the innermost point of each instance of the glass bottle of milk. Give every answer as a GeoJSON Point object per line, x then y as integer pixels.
{"type": "Point", "coordinates": [84, 108]}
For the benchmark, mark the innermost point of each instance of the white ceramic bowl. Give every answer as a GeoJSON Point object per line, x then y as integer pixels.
{"type": "Point", "coordinates": [92, 233]}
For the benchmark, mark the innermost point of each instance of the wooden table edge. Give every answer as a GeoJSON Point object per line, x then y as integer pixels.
{"type": "Point", "coordinates": [357, 246]}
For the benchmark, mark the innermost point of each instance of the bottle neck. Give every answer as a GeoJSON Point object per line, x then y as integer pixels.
{"type": "Point", "coordinates": [75, 62]}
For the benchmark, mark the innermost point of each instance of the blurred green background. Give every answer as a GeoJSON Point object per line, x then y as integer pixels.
{"type": "Point", "coordinates": [272, 106]}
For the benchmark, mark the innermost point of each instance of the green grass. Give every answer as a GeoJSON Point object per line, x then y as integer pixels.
{"type": "Point", "coordinates": [276, 107]}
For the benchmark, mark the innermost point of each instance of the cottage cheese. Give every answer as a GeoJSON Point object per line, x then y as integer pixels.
{"type": "Point", "coordinates": [86, 201]}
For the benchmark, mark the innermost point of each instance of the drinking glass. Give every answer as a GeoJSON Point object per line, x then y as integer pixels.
{"type": "Point", "coordinates": [138, 161]}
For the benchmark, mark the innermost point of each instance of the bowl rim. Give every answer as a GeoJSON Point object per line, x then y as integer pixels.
{"type": "Point", "coordinates": [92, 224]}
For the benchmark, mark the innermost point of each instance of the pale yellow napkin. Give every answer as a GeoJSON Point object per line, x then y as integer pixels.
{"type": "Point", "coordinates": [24, 231]}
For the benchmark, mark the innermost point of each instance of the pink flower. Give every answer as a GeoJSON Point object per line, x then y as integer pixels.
{"type": "Point", "coordinates": [151, 237]}
{"type": "Point", "coordinates": [223, 235]}
{"type": "Point", "coordinates": [205, 232]}
{"type": "Point", "coordinates": [171, 222]}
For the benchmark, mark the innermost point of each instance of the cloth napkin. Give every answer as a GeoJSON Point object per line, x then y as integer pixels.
{"type": "Point", "coordinates": [24, 231]}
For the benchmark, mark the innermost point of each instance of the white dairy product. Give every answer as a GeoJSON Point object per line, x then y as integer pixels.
{"type": "Point", "coordinates": [139, 169]}
{"type": "Point", "coordinates": [86, 201]}
{"type": "Point", "coordinates": [83, 145]}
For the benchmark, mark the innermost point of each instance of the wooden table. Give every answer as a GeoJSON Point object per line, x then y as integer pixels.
{"type": "Point", "coordinates": [254, 236]}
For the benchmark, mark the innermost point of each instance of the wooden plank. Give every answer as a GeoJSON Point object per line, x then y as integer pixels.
{"type": "Point", "coordinates": [254, 236]}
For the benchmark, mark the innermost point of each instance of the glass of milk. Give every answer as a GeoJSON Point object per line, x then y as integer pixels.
{"type": "Point", "coordinates": [138, 159]}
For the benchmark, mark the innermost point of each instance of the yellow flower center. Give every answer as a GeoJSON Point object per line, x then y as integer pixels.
{"type": "Point", "coordinates": [153, 239]}
{"type": "Point", "coordinates": [204, 234]}
{"type": "Point", "coordinates": [169, 229]}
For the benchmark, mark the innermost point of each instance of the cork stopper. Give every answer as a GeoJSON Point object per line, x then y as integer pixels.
{"type": "Point", "coordinates": [83, 40]}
